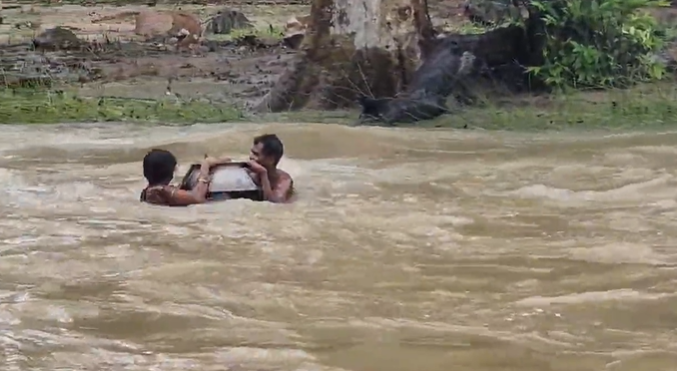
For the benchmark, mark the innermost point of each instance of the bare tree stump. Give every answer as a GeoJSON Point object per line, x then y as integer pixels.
{"type": "Point", "coordinates": [354, 48]}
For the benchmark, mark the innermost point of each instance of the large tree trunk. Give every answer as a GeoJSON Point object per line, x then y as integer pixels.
{"type": "Point", "coordinates": [354, 48]}
{"type": "Point", "coordinates": [385, 55]}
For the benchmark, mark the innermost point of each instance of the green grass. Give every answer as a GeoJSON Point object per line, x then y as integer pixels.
{"type": "Point", "coordinates": [259, 32]}
{"type": "Point", "coordinates": [651, 106]}
{"type": "Point", "coordinates": [53, 107]}
{"type": "Point", "coordinates": [647, 107]}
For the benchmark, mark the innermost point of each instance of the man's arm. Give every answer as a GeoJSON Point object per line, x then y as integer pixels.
{"type": "Point", "coordinates": [282, 190]}
{"type": "Point", "coordinates": [215, 161]}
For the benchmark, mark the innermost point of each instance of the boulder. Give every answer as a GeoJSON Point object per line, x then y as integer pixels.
{"type": "Point", "coordinates": [57, 38]}
{"type": "Point", "coordinates": [227, 20]}
{"type": "Point", "coordinates": [295, 30]}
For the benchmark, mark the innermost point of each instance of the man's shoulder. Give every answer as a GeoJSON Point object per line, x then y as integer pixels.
{"type": "Point", "coordinates": [283, 175]}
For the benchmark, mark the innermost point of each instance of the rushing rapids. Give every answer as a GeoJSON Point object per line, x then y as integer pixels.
{"type": "Point", "coordinates": [406, 250]}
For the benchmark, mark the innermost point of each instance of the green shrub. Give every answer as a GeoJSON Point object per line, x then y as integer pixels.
{"type": "Point", "coordinates": [599, 43]}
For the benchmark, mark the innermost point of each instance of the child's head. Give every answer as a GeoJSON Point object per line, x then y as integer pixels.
{"type": "Point", "coordinates": [159, 166]}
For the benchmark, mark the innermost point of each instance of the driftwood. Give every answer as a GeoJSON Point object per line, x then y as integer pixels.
{"type": "Point", "coordinates": [454, 63]}
{"type": "Point", "coordinates": [495, 47]}
{"type": "Point", "coordinates": [425, 97]}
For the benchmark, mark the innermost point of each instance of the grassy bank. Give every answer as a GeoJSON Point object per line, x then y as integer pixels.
{"type": "Point", "coordinates": [42, 107]}
{"type": "Point", "coordinates": [642, 107]}
{"type": "Point", "coordinates": [651, 106]}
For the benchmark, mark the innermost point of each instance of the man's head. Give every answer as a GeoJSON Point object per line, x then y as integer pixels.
{"type": "Point", "coordinates": [267, 150]}
{"type": "Point", "coordinates": [159, 166]}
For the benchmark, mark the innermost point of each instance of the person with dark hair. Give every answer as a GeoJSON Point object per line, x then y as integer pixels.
{"type": "Point", "coordinates": [158, 168]}
{"type": "Point", "coordinates": [266, 152]}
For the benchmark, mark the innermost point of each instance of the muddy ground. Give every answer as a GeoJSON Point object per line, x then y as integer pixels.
{"type": "Point", "coordinates": [223, 71]}
{"type": "Point", "coordinates": [125, 66]}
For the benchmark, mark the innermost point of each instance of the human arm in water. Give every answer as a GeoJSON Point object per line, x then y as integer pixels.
{"type": "Point", "coordinates": [198, 194]}
{"type": "Point", "coordinates": [278, 193]}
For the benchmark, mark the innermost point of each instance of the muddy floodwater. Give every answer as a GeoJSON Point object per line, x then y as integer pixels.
{"type": "Point", "coordinates": [407, 250]}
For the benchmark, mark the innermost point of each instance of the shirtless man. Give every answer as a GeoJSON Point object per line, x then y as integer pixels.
{"type": "Point", "coordinates": [276, 185]}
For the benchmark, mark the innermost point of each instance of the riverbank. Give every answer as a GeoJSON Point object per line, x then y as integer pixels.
{"type": "Point", "coordinates": [641, 107]}
{"type": "Point", "coordinates": [646, 106]}
{"type": "Point", "coordinates": [134, 81]}
{"type": "Point", "coordinates": [63, 107]}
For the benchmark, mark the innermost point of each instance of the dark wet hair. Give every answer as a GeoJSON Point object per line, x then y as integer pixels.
{"type": "Point", "coordinates": [158, 167]}
{"type": "Point", "coordinates": [271, 145]}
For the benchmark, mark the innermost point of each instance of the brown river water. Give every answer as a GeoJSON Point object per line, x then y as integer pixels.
{"type": "Point", "coordinates": [407, 250]}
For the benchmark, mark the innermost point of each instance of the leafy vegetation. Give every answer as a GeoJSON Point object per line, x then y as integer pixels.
{"type": "Point", "coordinates": [600, 43]}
